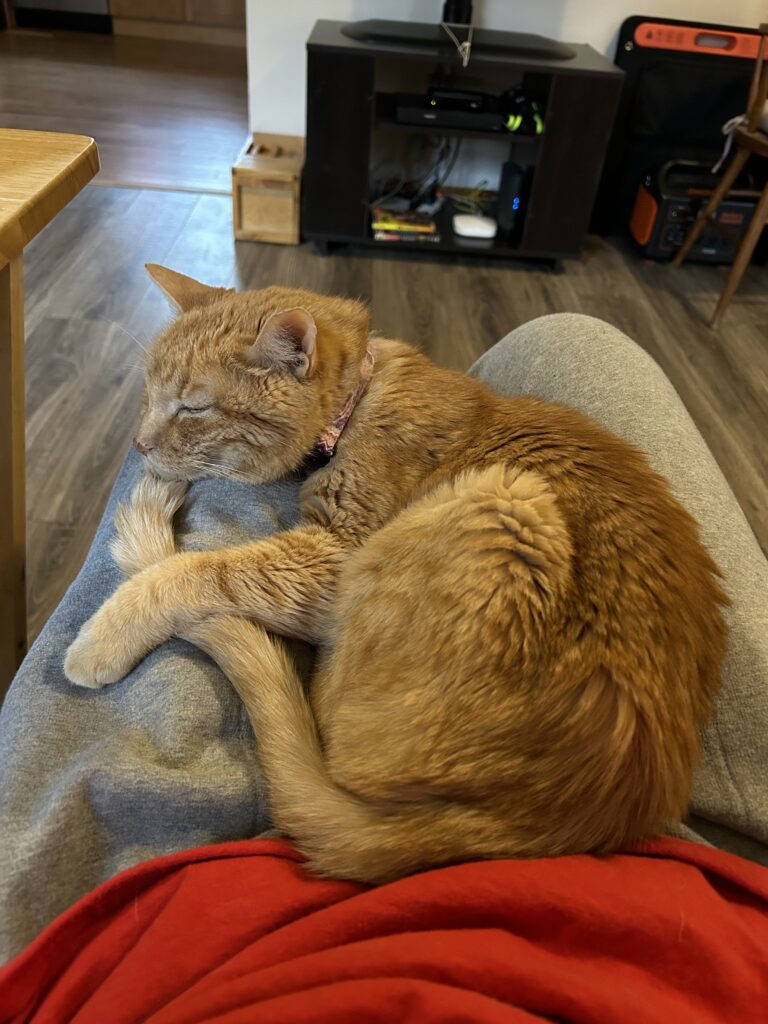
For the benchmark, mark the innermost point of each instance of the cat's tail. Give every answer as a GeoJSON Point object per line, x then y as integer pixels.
{"type": "Point", "coordinates": [145, 526]}
{"type": "Point", "coordinates": [342, 835]}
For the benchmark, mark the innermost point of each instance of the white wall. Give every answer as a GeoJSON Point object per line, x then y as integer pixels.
{"type": "Point", "coordinates": [278, 30]}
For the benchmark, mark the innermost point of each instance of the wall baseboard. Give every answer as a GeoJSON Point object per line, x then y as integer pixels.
{"type": "Point", "coordinates": [213, 34]}
{"type": "Point", "coordinates": [68, 21]}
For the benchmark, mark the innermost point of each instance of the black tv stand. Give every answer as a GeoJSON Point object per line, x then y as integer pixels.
{"type": "Point", "coordinates": [351, 86]}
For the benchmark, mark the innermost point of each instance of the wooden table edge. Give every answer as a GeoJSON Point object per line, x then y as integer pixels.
{"type": "Point", "coordinates": [28, 219]}
{"type": "Point", "coordinates": [58, 191]}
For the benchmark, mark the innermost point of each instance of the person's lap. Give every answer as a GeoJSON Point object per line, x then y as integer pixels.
{"type": "Point", "coordinates": [94, 781]}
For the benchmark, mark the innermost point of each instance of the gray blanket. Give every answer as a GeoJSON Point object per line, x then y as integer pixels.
{"type": "Point", "coordinates": [93, 781]}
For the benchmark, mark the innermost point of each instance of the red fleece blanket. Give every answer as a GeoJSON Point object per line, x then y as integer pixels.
{"type": "Point", "coordinates": [241, 933]}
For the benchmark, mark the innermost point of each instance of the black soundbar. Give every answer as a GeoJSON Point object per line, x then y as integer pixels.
{"type": "Point", "coordinates": [486, 41]}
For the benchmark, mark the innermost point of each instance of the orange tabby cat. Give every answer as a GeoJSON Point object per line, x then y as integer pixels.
{"type": "Point", "coordinates": [520, 630]}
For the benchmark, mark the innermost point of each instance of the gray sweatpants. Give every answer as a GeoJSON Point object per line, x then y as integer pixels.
{"type": "Point", "coordinates": [93, 781]}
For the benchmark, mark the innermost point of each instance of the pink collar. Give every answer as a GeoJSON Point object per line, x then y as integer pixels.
{"type": "Point", "coordinates": [326, 443]}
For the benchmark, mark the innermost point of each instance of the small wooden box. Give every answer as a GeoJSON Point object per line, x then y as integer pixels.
{"type": "Point", "coordinates": [266, 183]}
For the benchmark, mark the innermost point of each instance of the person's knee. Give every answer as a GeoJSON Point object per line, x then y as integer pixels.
{"type": "Point", "coordinates": [562, 356]}
{"type": "Point", "coordinates": [569, 332]}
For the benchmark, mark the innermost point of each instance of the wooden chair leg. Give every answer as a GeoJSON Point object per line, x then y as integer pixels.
{"type": "Point", "coordinates": [700, 223]}
{"type": "Point", "coordinates": [748, 243]}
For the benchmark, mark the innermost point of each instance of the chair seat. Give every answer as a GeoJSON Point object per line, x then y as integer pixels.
{"type": "Point", "coordinates": [755, 142]}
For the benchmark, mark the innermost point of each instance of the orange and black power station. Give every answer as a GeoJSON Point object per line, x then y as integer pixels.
{"type": "Point", "coordinates": [669, 201]}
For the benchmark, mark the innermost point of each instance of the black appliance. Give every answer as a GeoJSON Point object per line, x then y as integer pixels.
{"type": "Point", "coordinates": [668, 202]}
{"type": "Point", "coordinates": [510, 201]}
{"type": "Point", "coordinates": [448, 109]}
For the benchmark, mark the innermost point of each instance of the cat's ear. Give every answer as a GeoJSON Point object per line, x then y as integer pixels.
{"type": "Point", "coordinates": [184, 292]}
{"type": "Point", "coordinates": [287, 341]}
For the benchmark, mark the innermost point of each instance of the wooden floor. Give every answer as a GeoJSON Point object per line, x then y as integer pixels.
{"type": "Point", "coordinates": [164, 114]}
{"type": "Point", "coordinates": [87, 294]}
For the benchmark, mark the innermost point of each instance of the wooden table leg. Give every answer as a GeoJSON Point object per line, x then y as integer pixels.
{"type": "Point", "coordinates": [13, 603]}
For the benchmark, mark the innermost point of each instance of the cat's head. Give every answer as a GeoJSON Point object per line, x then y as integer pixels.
{"type": "Point", "coordinates": [241, 384]}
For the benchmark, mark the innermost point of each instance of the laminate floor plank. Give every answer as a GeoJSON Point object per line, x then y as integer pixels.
{"type": "Point", "coordinates": [102, 276]}
{"type": "Point", "coordinates": [299, 267]}
{"type": "Point", "coordinates": [80, 434]}
{"type": "Point", "coordinates": [164, 114]}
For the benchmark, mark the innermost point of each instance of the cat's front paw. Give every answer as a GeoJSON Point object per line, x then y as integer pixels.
{"type": "Point", "coordinates": [98, 656]}
{"type": "Point", "coordinates": [144, 528]}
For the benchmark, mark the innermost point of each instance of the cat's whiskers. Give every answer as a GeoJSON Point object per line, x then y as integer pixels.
{"type": "Point", "coordinates": [220, 471]}
{"type": "Point", "coordinates": [120, 327]}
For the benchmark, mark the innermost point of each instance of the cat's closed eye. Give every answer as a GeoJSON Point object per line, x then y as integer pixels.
{"type": "Point", "coordinates": [194, 409]}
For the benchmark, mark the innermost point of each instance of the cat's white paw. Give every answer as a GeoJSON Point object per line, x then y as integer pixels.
{"type": "Point", "coordinates": [145, 526]}
{"type": "Point", "coordinates": [94, 660]}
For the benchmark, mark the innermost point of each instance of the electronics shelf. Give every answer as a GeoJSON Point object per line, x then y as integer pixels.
{"type": "Point", "coordinates": [449, 244]}
{"type": "Point", "coordinates": [351, 88]}
{"type": "Point", "coordinates": [452, 243]}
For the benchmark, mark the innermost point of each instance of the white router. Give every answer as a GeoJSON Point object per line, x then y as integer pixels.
{"type": "Point", "coordinates": [472, 225]}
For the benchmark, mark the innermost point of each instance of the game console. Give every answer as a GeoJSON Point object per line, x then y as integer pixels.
{"type": "Point", "coordinates": [442, 108]}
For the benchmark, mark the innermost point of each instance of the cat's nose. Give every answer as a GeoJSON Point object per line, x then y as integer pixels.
{"type": "Point", "coordinates": [145, 449]}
